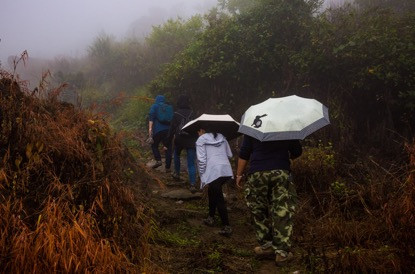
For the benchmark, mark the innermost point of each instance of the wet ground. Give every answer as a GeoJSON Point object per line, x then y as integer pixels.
{"type": "Point", "coordinates": [183, 244]}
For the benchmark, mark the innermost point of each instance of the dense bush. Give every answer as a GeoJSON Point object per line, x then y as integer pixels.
{"type": "Point", "coordinates": [65, 203]}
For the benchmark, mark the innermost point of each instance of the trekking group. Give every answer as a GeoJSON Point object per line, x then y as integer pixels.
{"type": "Point", "coordinates": [269, 190]}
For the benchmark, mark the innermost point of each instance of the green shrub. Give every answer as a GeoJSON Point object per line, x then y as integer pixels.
{"type": "Point", "coordinates": [133, 114]}
{"type": "Point", "coordinates": [315, 169]}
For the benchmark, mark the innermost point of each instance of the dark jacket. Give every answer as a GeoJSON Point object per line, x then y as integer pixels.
{"type": "Point", "coordinates": [181, 141]}
{"type": "Point", "coordinates": [269, 155]}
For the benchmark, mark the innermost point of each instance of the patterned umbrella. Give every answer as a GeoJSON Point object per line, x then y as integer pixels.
{"type": "Point", "coordinates": [284, 118]}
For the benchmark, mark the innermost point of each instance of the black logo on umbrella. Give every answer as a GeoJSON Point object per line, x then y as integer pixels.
{"type": "Point", "coordinates": [258, 122]}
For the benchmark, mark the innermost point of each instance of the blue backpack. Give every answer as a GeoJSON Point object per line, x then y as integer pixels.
{"type": "Point", "coordinates": [164, 113]}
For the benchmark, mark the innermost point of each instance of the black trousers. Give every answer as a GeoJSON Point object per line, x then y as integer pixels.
{"type": "Point", "coordinates": [161, 137]}
{"type": "Point", "coordinates": [216, 199]}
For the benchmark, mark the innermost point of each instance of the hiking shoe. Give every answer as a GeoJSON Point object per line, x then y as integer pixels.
{"type": "Point", "coordinates": [226, 231]}
{"type": "Point", "coordinates": [209, 221]}
{"type": "Point", "coordinates": [264, 250]}
{"type": "Point", "coordinates": [193, 189]}
{"type": "Point", "coordinates": [281, 260]}
{"type": "Point", "coordinates": [157, 164]}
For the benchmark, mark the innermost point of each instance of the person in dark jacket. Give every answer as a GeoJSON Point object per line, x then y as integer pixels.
{"type": "Point", "coordinates": [270, 193]}
{"type": "Point", "coordinates": [158, 131]}
{"type": "Point", "coordinates": [183, 141]}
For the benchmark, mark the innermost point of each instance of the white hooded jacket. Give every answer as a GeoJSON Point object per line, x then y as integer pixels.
{"type": "Point", "coordinates": [213, 158]}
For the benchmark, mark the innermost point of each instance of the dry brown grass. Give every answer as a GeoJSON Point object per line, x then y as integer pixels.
{"type": "Point", "coordinates": [65, 200]}
{"type": "Point", "coordinates": [60, 241]}
{"type": "Point", "coordinates": [358, 219]}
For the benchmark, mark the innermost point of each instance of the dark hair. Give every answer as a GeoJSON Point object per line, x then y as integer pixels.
{"type": "Point", "coordinates": [183, 101]}
{"type": "Point", "coordinates": [208, 129]}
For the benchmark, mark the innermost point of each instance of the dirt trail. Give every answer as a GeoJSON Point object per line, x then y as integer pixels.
{"type": "Point", "coordinates": [183, 244]}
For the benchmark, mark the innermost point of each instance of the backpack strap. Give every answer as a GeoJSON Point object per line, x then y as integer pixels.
{"type": "Point", "coordinates": [180, 114]}
{"type": "Point", "coordinates": [188, 117]}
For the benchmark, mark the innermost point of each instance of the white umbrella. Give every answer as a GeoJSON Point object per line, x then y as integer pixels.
{"type": "Point", "coordinates": [284, 118]}
{"type": "Point", "coordinates": [221, 123]}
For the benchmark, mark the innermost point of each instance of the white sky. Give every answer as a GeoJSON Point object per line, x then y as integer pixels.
{"type": "Point", "coordinates": [48, 28]}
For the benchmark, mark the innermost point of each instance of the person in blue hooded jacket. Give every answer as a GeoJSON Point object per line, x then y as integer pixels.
{"type": "Point", "coordinates": [213, 153]}
{"type": "Point", "coordinates": [159, 131]}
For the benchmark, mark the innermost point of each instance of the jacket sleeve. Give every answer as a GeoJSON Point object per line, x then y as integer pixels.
{"type": "Point", "coordinates": [228, 150]}
{"type": "Point", "coordinates": [152, 114]}
{"type": "Point", "coordinates": [201, 158]}
{"type": "Point", "coordinates": [295, 149]}
{"type": "Point", "coordinates": [246, 148]}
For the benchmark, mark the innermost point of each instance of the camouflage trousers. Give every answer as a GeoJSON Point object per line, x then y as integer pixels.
{"type": "Point", "coordinates": [272, 199]}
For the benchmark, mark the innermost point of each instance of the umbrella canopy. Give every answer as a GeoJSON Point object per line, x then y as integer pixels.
{"type": "Point", "coordinates": [224, 124]}
{"type": "Point", "coordinates": [284, 118]}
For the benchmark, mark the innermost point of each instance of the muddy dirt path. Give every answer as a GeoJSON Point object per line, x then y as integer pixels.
{"type": "Point", "coordinates": [183, 244]}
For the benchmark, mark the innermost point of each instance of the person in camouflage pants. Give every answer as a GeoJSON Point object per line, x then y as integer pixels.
{"type": "Point", "coordinates": [272, 199]}
{"type": "Point", "coordinates": [270, 193]}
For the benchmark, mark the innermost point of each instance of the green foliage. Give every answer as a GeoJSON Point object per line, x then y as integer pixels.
{"type": "Point", "coordinates": [173, 36]}
{"type": "Point", "coordinates": [103, 58]}
{"type": "Point", "coordinates": [126, 66]}
{"type": "Point", "coordinates": [175, 239]}
{"type": "Point", "coordinates": [215, 259]}
{"type": "Point", "coordinates": [339, 188]}
{"type": "Point", "coordinates": [355, 59]}
{"type": "Point", "coordinates": [316, 168]}
{"type": "Point", "coordinates": [366, 61]}
{"type": "Point", "coordinates": [183, 235]}
{"type": "Point", "coordinates": [242, 58]}
{"type": "Point", "coordinates": [133, 114]}
{"type": "Point", "coordinates": [360, 63]}
{"type": "Point", "coordinates": [397, 5]}
{"type": "Point", "coordinates": [241, 252]}
{"type": "Point", "coordinates": [408, 98]}
{"type": "Point", "coordinates": [90, 96]}
{"type": "Point", "coordinates": [196, 206]}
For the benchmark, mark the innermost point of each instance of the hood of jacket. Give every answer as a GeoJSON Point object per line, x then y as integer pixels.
{"type": "Point", "coordinates": [209, 139]}
{"type": "Point", "coordinates": [160, 99]}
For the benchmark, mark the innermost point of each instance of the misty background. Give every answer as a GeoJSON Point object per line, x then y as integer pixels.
{"type": "Point", "coordinates": [49, 28]}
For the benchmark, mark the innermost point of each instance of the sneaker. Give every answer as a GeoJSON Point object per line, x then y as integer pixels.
{"type": "Point", "coordinates": [192, 189]}
{"type": "Point", "coordinates": [264, 250]}
{"type": "Point", "coordinates": [209, 221]}
{"type": "Point", "coordinates": [175, 176]}
{"type": "Point", "coordinates": [157, 164]}
{"type": "Point", "coordinates": [281, 260]}
{"type": "Point", "coordinates": [226, 231]}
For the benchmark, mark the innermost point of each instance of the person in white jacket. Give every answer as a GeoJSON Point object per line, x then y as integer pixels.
{"type": "Point", "coordinates": [213, 153]}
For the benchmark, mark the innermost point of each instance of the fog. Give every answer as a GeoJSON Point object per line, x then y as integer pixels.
{"type": "Point", "coordinates": [50, 28]}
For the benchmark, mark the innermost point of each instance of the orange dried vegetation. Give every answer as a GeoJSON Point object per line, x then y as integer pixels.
{"type": "Point", "coordinates": [65, 200]}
